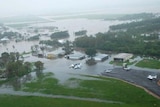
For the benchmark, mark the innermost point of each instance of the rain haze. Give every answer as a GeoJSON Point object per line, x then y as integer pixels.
{"type": "Point", "coordinates": [79, 53]}
{"type": "Point", "coordinates": [40, 7]}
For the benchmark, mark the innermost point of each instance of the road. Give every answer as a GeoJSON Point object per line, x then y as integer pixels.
{"type": "Point", "coordinates": [138, 77]}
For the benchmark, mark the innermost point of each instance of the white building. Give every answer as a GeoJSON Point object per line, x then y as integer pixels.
{"type": "Point", "coordinates": [122, 57]}
{"type": "Point", "coordinates": [55, 54]}
{"type": "Point", "coordinates": [76, 56]}
{"type": "Point", "coordinates": [100, 57]}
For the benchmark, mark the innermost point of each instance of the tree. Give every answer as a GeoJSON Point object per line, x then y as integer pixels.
{"type": "Point", "coordinates": [12, 57]}
{"type": "Point", "coordinates": [91, 52]}
{"type": "Point", "coordinates": [17, 56]}
{"type": "Point", "coordinates": [5, 57]}
{"type": "Point", "coordinates": [28, 66]}
{"type": "Point", "coordinates": [39, 68]}
{"type": "Point", "coordinates": [15, 69]}
{"type": "Point", "coordinates": [91, 61]}
{"type": "Point", "coordinates": [67, 47]}
{"type": "Point", "coordinates": [60, 35]}
{"type": "Point", "coordinates": [39, 65]}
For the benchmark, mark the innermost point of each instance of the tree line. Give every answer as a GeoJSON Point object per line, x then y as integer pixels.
{"type": "Point", "coordinates": [140, 38]}
{"type": "Point", "coordinates": [144, 26]}
{"type": "Point", "coordinates": [79, 33]}
{"type": "Point", "coordinates": [60, 35]}
{"type": "Point", "coordinates": [12, 66]}
{"type": "Point", "coordinates": [142, 16]}
{"type": "Point", "coordinates": [9, 35]}
{"type": "Point", "coordinates": [119, 43]}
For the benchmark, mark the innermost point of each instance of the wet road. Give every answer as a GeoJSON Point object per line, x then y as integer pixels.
{"type": "Point", "coordinates": [138, 77]}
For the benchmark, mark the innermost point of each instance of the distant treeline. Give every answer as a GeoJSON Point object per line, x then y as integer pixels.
{"type": "Point", "coordinates": [140, 38]}
{"type": "Point", "coordinates": [34, 38]}
{"type": "Point", "coordinates": [145, 26]}
{"type": "Point", "coordinates": [9, 34]}
{"type": "Point", "coordinates": [142, 16]}
{"type": "Point", "coordinates": [125, 43]}
{"type": "Point", "coordinates": [82, 32]}
{"type": "Point", "coordinates": [53, 43]}
{"type": "Point", "coordinates": [60, 35]}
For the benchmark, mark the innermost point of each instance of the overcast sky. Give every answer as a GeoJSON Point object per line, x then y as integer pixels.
{"type": "Point", "coordinates": [15, 7]}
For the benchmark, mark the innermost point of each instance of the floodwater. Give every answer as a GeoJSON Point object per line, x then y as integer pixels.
{"type": "Point", "coordinates": [74, 25]}
{"type": "Point", "coordinates": [20, 47]}
{"type": "Point", "coordinates": [60, 67]}
{"type": "Point", "coordinates": [71, 25]}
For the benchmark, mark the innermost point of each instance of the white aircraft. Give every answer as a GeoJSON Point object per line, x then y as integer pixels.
{"type": "Point", "coordinates": [107, 70]}
{"type": "Point", "coordinates": [151, 77]}
{"type": "Point", "coordinates": [76, 66]}
{"type": "Point", "coordinates": [127, 68]}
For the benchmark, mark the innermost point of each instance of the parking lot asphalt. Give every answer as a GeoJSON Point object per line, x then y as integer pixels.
{"type": "Point", "coordinates": [137, 77]}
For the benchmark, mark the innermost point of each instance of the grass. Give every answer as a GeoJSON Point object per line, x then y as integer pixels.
{"type": "Point", "coordinates": [104, 88]}
{"type": "Point", "coordinates": [29, 101]}
{"type": "Point", "coordinates": [149, 63]}
{"type": "Point", "coordinates": [3, 81]}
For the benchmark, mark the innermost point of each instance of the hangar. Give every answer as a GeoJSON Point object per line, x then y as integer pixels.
{"type": "Point", "coordinates": [100, 57]}
{"type": "Point", "coordinates": [122, 57]}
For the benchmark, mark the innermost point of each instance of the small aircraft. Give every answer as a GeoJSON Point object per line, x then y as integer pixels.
{"type": "Point", "coordinates": [76, 66]}
{"type": "Point", "coordinates": [151, 77]}
{"type": "Point", "coordinates": [107, 70]}
{"type": "Point", "coordinates": [127, 68]}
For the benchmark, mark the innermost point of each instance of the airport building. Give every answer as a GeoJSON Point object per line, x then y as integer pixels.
{"type": "Point", "coordinates": [122, 57]}
{"type": "Point", "coordinates": [100, 57]}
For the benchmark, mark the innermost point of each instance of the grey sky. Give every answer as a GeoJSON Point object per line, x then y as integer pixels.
{"type": "Point", "coordinates": [14, 7]}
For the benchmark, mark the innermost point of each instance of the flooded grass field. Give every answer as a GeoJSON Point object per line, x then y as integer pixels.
{"type": "Point", "coordinates": [59, 79]}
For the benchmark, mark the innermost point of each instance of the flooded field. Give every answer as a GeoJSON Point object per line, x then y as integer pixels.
{"type": "Point", "coordinates": [73, 25]}
{"type": "Point", "coordinates": [60, 67]}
